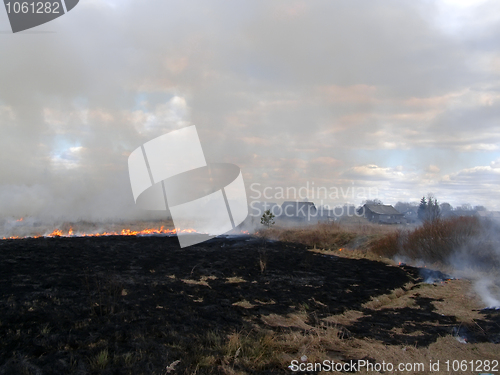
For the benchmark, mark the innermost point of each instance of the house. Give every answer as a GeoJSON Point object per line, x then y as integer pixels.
{"type": "Point", "coordinates": [382, 213]}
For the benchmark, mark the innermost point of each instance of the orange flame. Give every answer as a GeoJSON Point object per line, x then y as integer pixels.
{"type": "Point", "coordinates": [123, 232]}
{"type": "Point", "coordinates": [56, 233]}
{"type": "Point", "coordinates": [21, 219]}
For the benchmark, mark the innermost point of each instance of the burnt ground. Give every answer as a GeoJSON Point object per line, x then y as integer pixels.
{"type": "Point", "coordinates": [149, 303]}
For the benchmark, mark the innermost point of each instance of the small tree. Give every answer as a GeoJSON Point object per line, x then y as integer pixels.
{"type": "Point", "coordinates": [267, 219]}
{"type": "Point", "coordinates": [422, 209]}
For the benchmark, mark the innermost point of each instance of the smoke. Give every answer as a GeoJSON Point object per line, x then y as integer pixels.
{"type": "Point", "coordinates": [485, 287]}
{"type": "Point", "coordinates": [290, 91]}
{"type": "Point", "coordinates": [465, 247]}
{"type": "Point", "coordinates": [479, 259]}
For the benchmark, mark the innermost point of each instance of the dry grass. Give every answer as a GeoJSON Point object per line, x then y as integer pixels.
{"type": "Point", "coordinates": [331, 235]}
{"type": "Point", "coordinates": [203, 281]}
{"type": "Point", "coordinates": [235, 280]}
{"type": "Point", "coordinates": [349, 253]}
{"type": "Point", "coordinates": [445, 348]}
{"type": "Point", "coordinates": [245, 304]}
{"type": "Point", "coordinates": [292, 336]}
{"type": "Point", "coordinates": [297, 320]}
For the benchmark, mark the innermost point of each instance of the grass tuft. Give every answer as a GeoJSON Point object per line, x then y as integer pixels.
{"type": "Point", "coordinates": [100, 361]}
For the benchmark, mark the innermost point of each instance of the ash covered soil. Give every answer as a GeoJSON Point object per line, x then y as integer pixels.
{"type": "Point", "coordinates": [148, 303]}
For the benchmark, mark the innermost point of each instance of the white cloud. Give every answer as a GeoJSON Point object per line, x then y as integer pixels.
{"type": "Point", "coordinates": [495, 164]}
{"type": "Point", "coordinates": [165, 117]}
{"type": "Point", "coordinates": [374, 172]}
{"type": "Point", "coordinates": [433, 169]}
{"type": "Point", "coordinates": [68, 158]}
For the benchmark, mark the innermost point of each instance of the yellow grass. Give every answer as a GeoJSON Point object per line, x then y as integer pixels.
{"type": "Point", "coordinates": [292, 336]}
{"type": "Point", "coordinates": [330, 235]}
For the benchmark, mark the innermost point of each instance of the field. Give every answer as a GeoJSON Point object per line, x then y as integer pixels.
{"type": "Point", "coordinates": [232, 305]}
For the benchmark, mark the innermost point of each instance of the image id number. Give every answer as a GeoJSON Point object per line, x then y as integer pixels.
{"type": "Point", "coordinates": [38, 8]}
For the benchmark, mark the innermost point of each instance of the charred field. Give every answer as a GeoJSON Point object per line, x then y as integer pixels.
{"type": "Point", "coordinates": [143, 305]}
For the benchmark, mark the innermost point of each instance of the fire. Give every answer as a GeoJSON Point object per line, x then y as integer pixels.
{"type": "Point", "coordinates": [129, 232]}
{"type": "Point", "coordinates": [11, 238]}
{"type": "Point", "coordinates": [56, 233]}
{"type": "Point", "coordinates": [124, 232]}
{"type": "Point", "coordinates": [21, 219]}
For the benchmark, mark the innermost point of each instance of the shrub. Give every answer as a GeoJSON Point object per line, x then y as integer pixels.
{"type": "Point", "coordinates": [436, 241]}
{"type": "Point", "coordinates": [389, 245]}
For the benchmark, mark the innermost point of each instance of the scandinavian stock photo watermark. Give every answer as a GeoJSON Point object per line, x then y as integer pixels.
{"type": "Point", "coordinates": [309, 201]}
{"type": "Point", "coordinates": [437, 366]}
{"type": "Point", "coordinates": [170, 171]}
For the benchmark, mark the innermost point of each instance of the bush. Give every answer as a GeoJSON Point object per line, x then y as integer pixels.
{"type": "Point", "coordinates": [389, 245]}
{"type": "Point", "coordinates": [438, 240]}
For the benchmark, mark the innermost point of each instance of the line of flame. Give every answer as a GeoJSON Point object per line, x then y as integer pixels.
{"type": "Point", "coordinates": [123, 232]}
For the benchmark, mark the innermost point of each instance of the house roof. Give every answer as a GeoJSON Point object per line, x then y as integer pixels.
{"type": "Point", "coordinates": [382, 209]}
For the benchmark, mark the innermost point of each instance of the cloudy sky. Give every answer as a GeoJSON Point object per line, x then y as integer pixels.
{"type": "Point", "coordinates": [402, 98]}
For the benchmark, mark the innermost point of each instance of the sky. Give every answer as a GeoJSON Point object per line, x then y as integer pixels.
{"type": "Point", "coordinates": [366, 99]}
